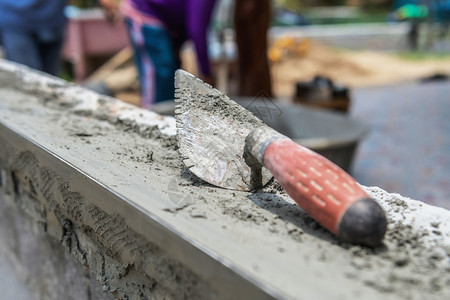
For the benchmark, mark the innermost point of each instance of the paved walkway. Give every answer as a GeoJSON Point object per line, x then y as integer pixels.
{"type": "Point", "coordinates": [408, 149]}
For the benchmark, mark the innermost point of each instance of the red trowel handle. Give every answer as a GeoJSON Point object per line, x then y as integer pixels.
{"type": "Point", "coordinates": [323, 190]}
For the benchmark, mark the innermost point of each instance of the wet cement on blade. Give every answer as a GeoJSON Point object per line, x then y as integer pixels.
{"type": "Point", "coordinates": [211, 132]}
{"type": "Point", "coordinates": [265, 232]}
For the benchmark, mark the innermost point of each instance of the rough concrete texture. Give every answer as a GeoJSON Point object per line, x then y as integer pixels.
{"type": "Point", "coordinates": [213, 147]}
{"type": "Point", "coordinates": [262, 237]}
{"type": "Point", "coordinates": [39, 260]}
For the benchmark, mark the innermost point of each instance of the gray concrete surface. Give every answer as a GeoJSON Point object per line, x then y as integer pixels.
{"type": "Point", "coordinates": [11, 286]}
{"type": "Point", "coordinates": [223, 244]}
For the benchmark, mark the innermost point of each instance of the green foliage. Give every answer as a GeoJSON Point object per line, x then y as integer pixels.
{"type": "Point", "coordinates": [83, 3]}
{"type": "Point", "coordinates": [423, 56]}
{"type": "Point", "coordinates": [294, 5]}
{"type": "Point", "coordinates": [412, 11]}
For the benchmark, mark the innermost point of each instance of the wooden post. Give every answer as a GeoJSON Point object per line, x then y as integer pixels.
{"type": "Point", "coordinates": [252, 20]}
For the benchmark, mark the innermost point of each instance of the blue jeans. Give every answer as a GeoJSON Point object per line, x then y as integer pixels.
{"type": "Point", "coordinates": [37, 49]}
{"type": "Point", "coordinates": [155, 60]}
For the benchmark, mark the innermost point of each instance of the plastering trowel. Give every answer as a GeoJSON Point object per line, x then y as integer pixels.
{"type": "Point", "coordinates": [227, 146]}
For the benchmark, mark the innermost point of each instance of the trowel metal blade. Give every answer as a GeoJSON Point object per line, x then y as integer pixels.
{"type": "Point", "coordinates": [211, 132]}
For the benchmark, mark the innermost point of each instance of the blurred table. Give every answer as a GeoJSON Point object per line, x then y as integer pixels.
{"type": "Point", "coordinates": [89, 34]}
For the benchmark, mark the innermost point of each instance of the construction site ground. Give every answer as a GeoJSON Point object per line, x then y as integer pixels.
{"type": "Point", "coordinates": [408, 148]}
{"type": "Point", "coordinates": [354, 68]}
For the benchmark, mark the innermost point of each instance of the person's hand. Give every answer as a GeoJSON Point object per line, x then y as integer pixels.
{"type": "Point", "coordinates": [111, 8]}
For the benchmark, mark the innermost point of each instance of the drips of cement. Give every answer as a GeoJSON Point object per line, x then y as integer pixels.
{"type": "Point", "coordinates": [263, 234]}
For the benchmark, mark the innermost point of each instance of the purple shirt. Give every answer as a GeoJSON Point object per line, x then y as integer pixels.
{"type": "Point", "coordinates": [185, 19]}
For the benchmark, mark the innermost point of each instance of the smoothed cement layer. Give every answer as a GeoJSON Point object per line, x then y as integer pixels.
{"type": "Point", "coordinates": [263, 236]}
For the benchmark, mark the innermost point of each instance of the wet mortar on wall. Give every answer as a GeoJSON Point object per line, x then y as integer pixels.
{"type": "Point", "coordinates": [413, 262]}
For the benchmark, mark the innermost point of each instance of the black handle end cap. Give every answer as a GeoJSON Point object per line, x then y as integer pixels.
{"type": "Point", "coordinates": [363, 223]}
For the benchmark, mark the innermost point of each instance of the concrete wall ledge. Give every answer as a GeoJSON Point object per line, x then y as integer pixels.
{"type": "Point", "coordinates": [95, 203]}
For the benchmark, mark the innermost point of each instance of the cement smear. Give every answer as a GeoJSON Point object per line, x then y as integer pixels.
{"type": "Point", "coordinates": [211, 132]}
{"type": "Point", "coordinates": [263, 235]}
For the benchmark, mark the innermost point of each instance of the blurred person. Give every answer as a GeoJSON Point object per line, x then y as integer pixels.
{"type": "Point", "coordinates": [32, 32]}
{"type": "Point", "coordinates": [251, 21]}
{"type": "Point", "coordinates": [157, 30]}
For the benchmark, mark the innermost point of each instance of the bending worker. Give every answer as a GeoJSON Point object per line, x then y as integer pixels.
{"type": "Point", "coordinates": [157, 30]}
{"type": "Point", "coordinates": [32, 32]}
